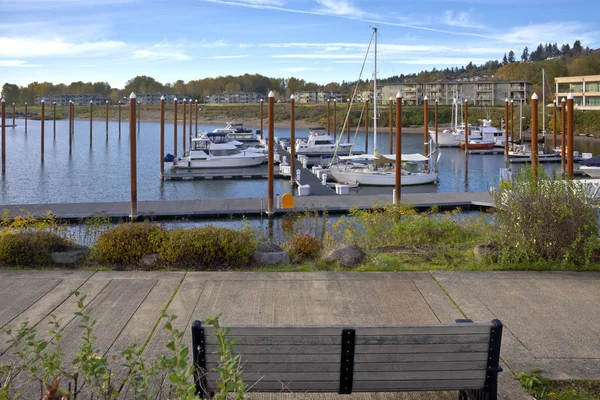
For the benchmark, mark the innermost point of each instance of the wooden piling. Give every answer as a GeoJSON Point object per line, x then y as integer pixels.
{"type": "Point", "coordinates": [70, 127]}
{"type": "Point", "coordinates": [54, 117]}
{"type": "Point", "coordinates": [25, 117]}
{"type": "Point", "coordinates": [191, 115]}
{"type": "Point", "coordinates": [175, 127]}
{"type": "Point", "coordinates": [512, 122]}
{"type": "Point", "coordinates": [398, 148]}
{"type": "Point", "coordinates": [367, 127]}
{"type": "Point", "coordinates": [554, 112]}
{"type": "Point", "coordinates": [261, 118]}
{"type": "Point", "coordinates": [534, 136]}
{"type": "Point", "coordinates": [162, 136]}
{"type": "Point", "coordinates": [3, 121]}
{"type": "Point", "coordinates": [183, 131]}
{"type": "Point", "coordinates": [391, 124]}
{"type": "Point", "coordinates": [334, 119]}
{"type": "Point", "coordinates": [292, 138]}
{"type": "Point", "coordinates": [466, 127]}
{"type": "Point", "coordinates": [563, 134]}
{"type": "Point", "coordinates": [328, 113]}
{"type": "Point", "coordinates": [426, 127]}
{"type": "Point", "coordinates": [348, 118]}
{"type": "Point", "coordinates": [506, 133]}
{"type": "Point", "coordinates": [436, 121]}
{"type": "Point", "coordinates": [14, 112]}
{"type": "Point", "coordinates": [42, 117]}
{"type": "Point", "coordinates": [132, 157]}
{"type": "Point", "coordinates": [106, 115]}
{"type": "Point", "coordinates": [119, 119]}
{"type": "Point", "coordinates": [91, 114]}
{"type": "Point", "coordinates": [271, 149]}
{"type": "Point", "coordinates": [196, 129]}
{"type": "Point", "coordinates": [570, 135]}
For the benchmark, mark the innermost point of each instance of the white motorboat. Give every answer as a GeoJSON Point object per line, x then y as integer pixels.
{"type": "Point", "coordinates": [591, 166]}
{"type": "Point", "coordinates": [320, 143]}
{"type": "Point", "coordinates": [217, 150]}
{"type": "Point", "coordinates": [239, 133]}
{"type": "Point", "coordinates": [381, 170]}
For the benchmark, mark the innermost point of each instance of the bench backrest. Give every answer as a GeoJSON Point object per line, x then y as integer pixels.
{"type": "Point", "coordinates": [344, 359]}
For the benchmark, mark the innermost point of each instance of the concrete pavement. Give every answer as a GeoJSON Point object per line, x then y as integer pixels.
{"type": "Point", "coordinates": [550, 318]}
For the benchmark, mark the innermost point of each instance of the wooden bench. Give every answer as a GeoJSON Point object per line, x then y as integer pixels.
{"type": "Point", "coordinates": [463, 356]}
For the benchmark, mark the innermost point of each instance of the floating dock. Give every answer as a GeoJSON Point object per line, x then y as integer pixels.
{"type": "Point", "coordinates": [259, 172]}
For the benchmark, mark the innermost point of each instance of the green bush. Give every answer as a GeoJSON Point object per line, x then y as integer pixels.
{"type": "Point", "coordinates": [30, 247]}
{"type": "Point", "coordinates": [303, 247]}
{"type": "Point", "coordinates": [208, 246]}
{"type": "Point", "coordinates": [128, 243]}
{"type": "Point", "coordinates": [545, 219]}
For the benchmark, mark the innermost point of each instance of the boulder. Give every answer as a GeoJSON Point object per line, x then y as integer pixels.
{"type": "Point", "coordinates": [349, 255]}
{"type": "Point", "coordinates": [269, 253]}
{"type": "Point", "coordinates": [150, 259]}
{"type": "Point", "coordinates": [73, 255]}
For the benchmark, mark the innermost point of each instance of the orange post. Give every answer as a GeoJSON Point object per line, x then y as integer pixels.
{"type": "Point", "coordinates": [398, 148]}
{"type": "Point", "coordinates": [42, 128]}
{"type": "Point", "coordinates": [106, 114]}
{"type": "Point", "coordinates": [70, 126]}
{"type": "Point", "coordinates": [91, 115]}
{"type": "Point", "coordinates": [570, 134]}
{"type": "Point", "coordinates": [292, 138]}
{"type": "Point", "coordinates": [534, 135]}
{"type": "Point", "coordinates": [119, 119]}
{"type": "Point", "coordinates": [183, 132]}
{"type": "Point", "coordinates": [54, 117]}
{"type": "Point", "coordinates": [132, 157]}
{"type": "Point", "coordinates": [25, 117]}
{"type": "Point", "coordinates": [271, 149]}
{"type": "Point", "coordinates": [162, 136]}
{"type": "Point", "coordinates": [175, 127]}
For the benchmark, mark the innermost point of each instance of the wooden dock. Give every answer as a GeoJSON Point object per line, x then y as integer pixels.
{"type": "Point", "coordinates": [258, 172]}
{"type": "Point", "coordinates": [218, 208]}
{"type": "Point", "coordinates": [484, 152]}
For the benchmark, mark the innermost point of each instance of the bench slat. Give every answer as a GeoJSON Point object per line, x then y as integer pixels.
{"type": "Point", "coordinates": [366, 349]}
{"type": "Point", "coordinates": [360, 340]}
{"type": "Point", "coordinates": [361, 330]}
{"type": "Point", "coordinates": [360, 367]}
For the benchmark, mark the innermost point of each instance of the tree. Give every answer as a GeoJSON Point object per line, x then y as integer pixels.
{"type": "Point", "coordinates": [511, 57]}
{"type": "Point", "coordinates": [10, 92]}
{"type": "Point", "coordinates": [577, 49]}
{"type": "Point", "coordinates": [505, 60]}
{"type": "Point", "coordinates": [525, 55]}
{"type": "Point", "coordinates": [566, 49]}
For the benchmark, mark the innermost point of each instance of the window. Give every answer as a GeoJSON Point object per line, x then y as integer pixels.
{"type": "Point", "coordinates": [224, 153]}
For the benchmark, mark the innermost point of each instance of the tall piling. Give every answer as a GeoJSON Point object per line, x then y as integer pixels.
{"type": "Point", "coordinates": [162, 137]}
{"type": "Point", "coordinates": [466, 127]}
{"type": "Point", "coordinates": [334, 119]}
{"type": "Point", "coordinates": [3, 121]}
{"type": "Point", "coordinates": [14, 112]}
{"type": "Point", "coordinates": [261, 118]}
{"type": "Point", "coordinates": [398, 182]}
{"type": "Point", "coordinates": [42, 117]}
{"type": "Point", "coordinates": [349, 121]}
{"type": "Point", "coordinates": [106, 115]}
{"type": "Point", "coordinates": [570, 135]}
{"type": "Point", "coordinates": [191, 115]}
{"type": "Point", "coordinates": [563, 135]}
{"type": "Point", "coordinates": [328, 113]}
{"type": "Point", "coordinates": [436, 121]}
{"type": "Point", "coordinates": [292, 138]}
{"type": "Point", "coordinates": [25, 117]}
{"type": "Point", "coordinates": [512, 122]}
{"type": "Point", "coordinates": [196, 128]}
{"type": "Point", "coordinates": [506, 132]}
{"type": "Point", "coordinates": [91, 116]}
{"type": "Point", "coordinates": [271, 149]}
{"type": "Point", "coordinates": [183, 131]}
{"type": "Point", "coordinates": [175, 127]}
{"type": "Point", "coordinates": [426, 128]}
{"type": "Point", "coordinates": [54, 117]}
{"type": "Point", "coordinates": [70, 127]}
{"type": "Point", "coordinates": [534, 136]}
{"type": "Point", "coordinates": [367, 128]}
{"type": "Point", "coordinates": [554, 112]}
{"type": "Point", "coordinates": [132, 157]}
{"type": "Point", "coordinates": [391, 124]}
{"type": "Point", "coordinates": [119, 112]}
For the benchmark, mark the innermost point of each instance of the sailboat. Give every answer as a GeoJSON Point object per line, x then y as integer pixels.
{"type": "Point", "coordinates": [378, 169]}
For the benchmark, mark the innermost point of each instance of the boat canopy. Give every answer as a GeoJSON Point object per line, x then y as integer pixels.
{"type": "Point", "coordinates": [591, 162]}
{"type": "Point", "coordinates": [387, 157]}
{"type": "Point", "coordinates": [359, 157]}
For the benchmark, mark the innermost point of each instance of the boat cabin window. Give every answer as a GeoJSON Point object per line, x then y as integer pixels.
{"type": "Point", "coordinates": [201, 144]}
{"type": "Point", "coordinates": [226, 152]}
{"type": "Point", "coordinates": [322, 142]}
{"type": "Point", "coordinates": [219, 138]}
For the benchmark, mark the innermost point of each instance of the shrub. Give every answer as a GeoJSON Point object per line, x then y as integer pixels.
{"type": "Point", "coordinates": [30, 247]}
{"type": "Point", "coordinates": [128, 243]}
{"type": "Point", "coordinates": [303, 247]}
{"type": "Point", "coordinates": [547, 219]}
{"type": "Point", "coordinates": [208, 246]}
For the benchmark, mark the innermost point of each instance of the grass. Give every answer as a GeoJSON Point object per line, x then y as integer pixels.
{"type": "Point", "coordinates": [546, 389]}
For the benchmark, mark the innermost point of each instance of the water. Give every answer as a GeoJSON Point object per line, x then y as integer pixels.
{"type": "Point", "coordinates": [100, 173]}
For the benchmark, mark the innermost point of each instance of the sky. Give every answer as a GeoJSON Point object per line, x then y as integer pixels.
{"type": "Point", "coordinates": [63, 41]}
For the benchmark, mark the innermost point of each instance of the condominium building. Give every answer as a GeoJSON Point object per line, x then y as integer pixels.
{"type": "Point", "coordinates": [235, 97]}
{"type": "Point", "coordinates": [79, 99]}
{"type": "Point", "coordinates": [585, 89]}
{"type": "Point", "coordinates": [315, 96]}
{"type": "Point", "coordinates": [154, 98]}
{"type": "Point", "coordinates": [491, 93]}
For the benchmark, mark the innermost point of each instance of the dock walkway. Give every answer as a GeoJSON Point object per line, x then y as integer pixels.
{"type": "Point", "coordinates": [215, 208]}
{"type": "Point", "coordinates": [306, 176]}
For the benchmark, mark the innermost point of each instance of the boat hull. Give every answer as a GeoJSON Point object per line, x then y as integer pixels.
{"type": "Point", "coordinates": [478, 146]}
{"type": "Point", "coordinates": [221, 162]}
{"type": "Point", "coordinates": [378, 178]}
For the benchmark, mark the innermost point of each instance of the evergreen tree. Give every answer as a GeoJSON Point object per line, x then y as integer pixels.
{"type": "Point", "coordinates": [566, 49]}
{"type": "Point", "coordinates": [525, 55]}
{"type": "Point", "coordinates": [577, 49]}
{"type": "Point", "coordinates": [504, 60]}
{"type": "Point", "coordinates": [511, 57]}
{"type": "Point", "coordinates": [555, 51]}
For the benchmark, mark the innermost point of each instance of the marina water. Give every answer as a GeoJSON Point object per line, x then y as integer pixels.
{"type": "Point", "coordinates": [100, 173]}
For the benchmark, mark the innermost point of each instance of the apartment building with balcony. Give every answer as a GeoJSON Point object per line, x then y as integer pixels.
{"type": "Point", "coordinates": [79, 99]}
{"type": "Point", "coordinates": [236, 97]}
{"type": "Point", "coordinates": [585, 90]}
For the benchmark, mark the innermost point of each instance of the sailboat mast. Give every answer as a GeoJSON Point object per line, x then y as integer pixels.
{"type": "Point", "coordinates": [543, 102]}
{"type": "Point", "coordinates": [375, 95]}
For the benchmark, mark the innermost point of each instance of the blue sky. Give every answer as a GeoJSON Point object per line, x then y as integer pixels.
{"type": "Point", "coordinates": [317, 40]}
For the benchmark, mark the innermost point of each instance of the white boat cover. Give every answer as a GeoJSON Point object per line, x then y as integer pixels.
{"type": "Point", "coordinates": [406, 157]}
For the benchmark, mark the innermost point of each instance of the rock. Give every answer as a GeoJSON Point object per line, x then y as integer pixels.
{"type": "Point", "coordinates": [269, 253]}
{"type": "Point", "coordinates": [150, 259]}
{"type": "Point", "coordinates": [349, 255]}
{"type": "Point", "coordinates": [481, 253]}
{"type": "Point", "coordinates": [73, 255]}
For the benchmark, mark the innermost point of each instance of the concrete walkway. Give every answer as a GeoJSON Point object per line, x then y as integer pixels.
{"type": "Point", "coordinates": [551, 319]}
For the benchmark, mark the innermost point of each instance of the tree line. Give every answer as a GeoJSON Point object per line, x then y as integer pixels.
{"type": "Point", "coordinates": [564, 61]}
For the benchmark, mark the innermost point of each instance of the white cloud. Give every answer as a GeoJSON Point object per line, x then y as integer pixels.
{"type": "Point", "coordinates": [340, 7]}
{"type": "Point", "coordinates": [207, 44]}
{"type": "Point", "coordinates": [38, 47]}
{"type": "Point", "coordinates": [161, 55]}
{"type": "Point", "coordinates": [549, 32]}
{"type": "Point", "coordinates": [461, 19]}
{"type": "Point", "coordinates": [301, 69]}
{"type": "Point", "coordinates": [227, 57]}
{"type": "Point", "coordinates": [320, 56]}
{"type": "Point", "coordinates": [16, 63]}
{"type": "Point", "coordinates": [264, 2]}
{"type": "Point", "coordinates": [441, 61]}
